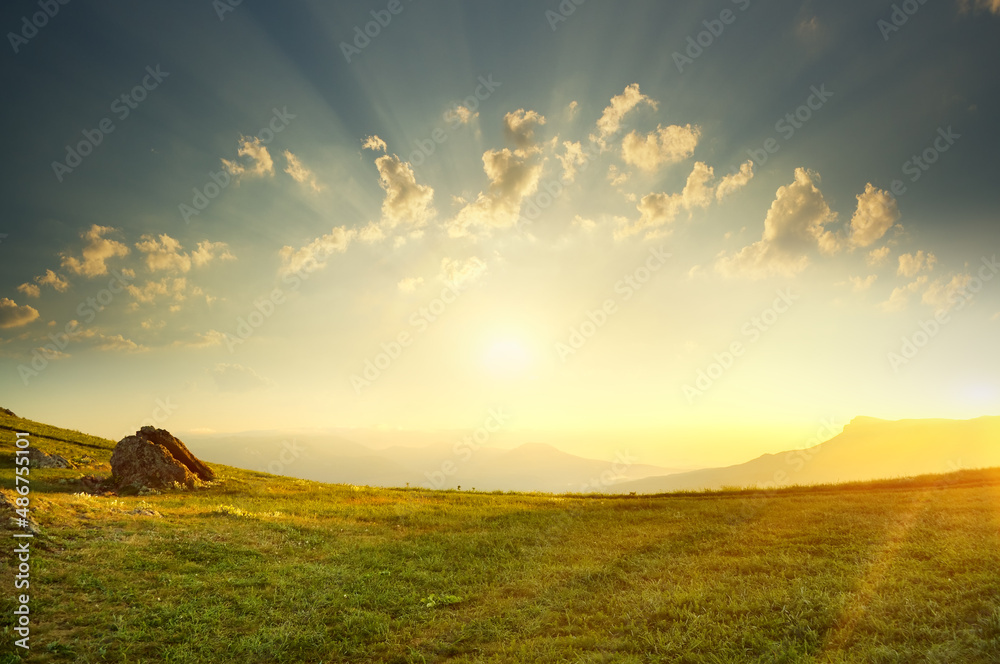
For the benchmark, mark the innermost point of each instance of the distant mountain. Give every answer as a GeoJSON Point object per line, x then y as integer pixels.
{"type": "Point", "coordinates": [337, 459]}
{"type": "Point", "coordinates": [867, 449]}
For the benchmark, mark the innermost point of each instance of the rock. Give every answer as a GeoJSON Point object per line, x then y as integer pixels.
{"type": "Point", "coordinates": [40, 459]}
{"type": "Point", "coordinates": [7, 411]}
{"type": "Point", "coordinates": [11, 520]}
{"type": "Point", "coordinates": [154, 458]}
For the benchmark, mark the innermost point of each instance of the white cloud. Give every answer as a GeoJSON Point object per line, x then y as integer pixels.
{"type": "Point", "coordinates": [658, 210]}
{"type": "Point", "coordinates": [874, 216]}
{"type": "Point", "coordinates": [942, 294]}
{"type": "Point", "coordinates": [166, 253]}
{"type": "Point", "coordinates": [520, 126]}
{"type": "Point", "coordinates": [207, 339]}
{"type": "Point", "coordinates": [409, 284]}
{"type": "Point", "coordinates": [237, 378]}
{"type": "Point", "coordinates": [666, 145]}
{"type": "Point", "coordinates": [300, 173]}
{"type": "Point", "coordinates": [735, 181]}
{"type": "Point", "coordinates": [616, 177]}
{"type": "Point", "coordinates": [315, 253]}
{"type": "Point", "coordinates": [118, 343]}
{"type": "Point", "coordinates": [611, 119]}
{"type": "Point", "coordinates": [50, 278]}
{"type": "Point", "coordinates": [174, 288]}
{"type": "Point", "coordinates": [406, 202]}
{"type": "Point", "coordinates": [257, 160]}
{"type": "Point", "coordinates": [795, 225]}
{"type": "Point", "coordinates": [863, 283]}
{"type": "Point", "coordinates": [96, 252]}
{"type": "Point", "coordinates": [584, 224]}
{"type": "Point", "coordinates": [912, 264]}
{"type": "Point", "coordinates": [900, 296]}
{"type": "Point", "coordinates": [570, 159]}
{"type": "Point", "coordinates": [514, 175]}
{"type": "Point", "coordinates": [877, 256]}
{"type": "Point", "coordinates": [572, 109]}
{"type": "Point", "coordinates": [462, 272]}
{"type": "Point", "coordinates": [374, 143]}
{"type": "Point", "coordinates": [14, 315]}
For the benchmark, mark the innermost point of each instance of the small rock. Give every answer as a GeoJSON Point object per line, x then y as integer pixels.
{"type": "Point", "coordinates": [40, 459]}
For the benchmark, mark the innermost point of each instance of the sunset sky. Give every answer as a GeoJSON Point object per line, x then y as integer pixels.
{"type": "Point", "coordinates": [565, 215]}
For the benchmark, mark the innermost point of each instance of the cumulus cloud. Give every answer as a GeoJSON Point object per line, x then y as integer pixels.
{"type": "Point", "coordinates": [406, 202]}
{"type": "Point", "coordinates": [14, 315]}
{"type": "Point", "coordinates": [374, 143]}
{"type": "Point", "coordinates": [174, 288]}
{"type": "Point", "coordinates": [862, 283]}
{"type": "Point", "coordinates": [875, 215]}
{"type": "Point", "coordinates": [611, 119]}
{"type": "Point", "coordinates": [877, 256]}
{"type": "Point", "coordinates": [900, 296]}
{"type": "Point", "coordinates": [795, 225]}
{"type": "Point", "coordinates": [256, 161]}
{"type": "Point", "coordinates": [118, 342]}
{"type": "Point", "coordinates": [944, 294]}
{"type": "Point", "coordinates": [571, 158]}
{"type": "Point", "coordinates": [409, 284]}
{"type": "Point", "coordinates": [314, 254]}
{"type": "Point", "coordinates": [165, 253]}
{"type": "Point", "coordinates": [207, 339]}
{"type": "Point", "coordinates": [520, 125]}
{"type": "Point", "coordinates": [912, 264]}
{"type": "Point", "coordinates": [462, 272]}
{"type": "Point", "coordinates": [97, 249]}
{"type": "Point", "coordinates": [616, 177]}
{"type": "Point", "coordinates": [658, 210]}
{"type": "Point", "coordinates": [514, 175]}
{"type": "Point", "coordinates": [237, 378]}
{"type": "Point", "coordinates": [666, 145]}
{"type": "Point", "coordinates": [50, 278]}
{"type": "Point", "coordinates": [572, 109]}
{"type": "Point", "coordinates": [735, 181]}
{"type": "Point", "coordinates": [300, 173]}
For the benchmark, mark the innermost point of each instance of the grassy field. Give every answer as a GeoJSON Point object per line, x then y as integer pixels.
{"type": "Point", "coordinates": [270, 569]}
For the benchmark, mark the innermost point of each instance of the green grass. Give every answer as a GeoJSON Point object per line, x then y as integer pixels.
{"type": "Point", "coordinates": [270, 569]}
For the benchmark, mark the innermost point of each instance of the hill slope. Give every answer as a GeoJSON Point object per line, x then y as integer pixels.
{"type": "Point", "coordinates": [270, 569]}
{"type": "Point", "coordinates": [867, 449]}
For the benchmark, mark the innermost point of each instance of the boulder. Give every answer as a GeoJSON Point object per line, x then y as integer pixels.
{"type": "Point", "coordinates": [39, 459]}
{"type": "Point", "coordinates": [154, 458]}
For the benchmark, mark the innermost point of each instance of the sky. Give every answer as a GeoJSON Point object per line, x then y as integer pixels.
{"type": "Point", "coordinates": [696, 231]}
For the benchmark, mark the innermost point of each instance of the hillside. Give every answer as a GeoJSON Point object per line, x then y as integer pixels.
{"type": "Point", "coordinates": [867, 449]}
{"type": "Point", "coordinates": [260, 568]}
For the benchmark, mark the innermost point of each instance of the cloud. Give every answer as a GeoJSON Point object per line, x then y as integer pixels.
{"type": "Point", "coordinates": [520, 125]}
{"type": "Point", "coordinates": [409, 284]}
{"type": "Point", "coordinates": [572, 109]}
{"type": "Point", "coordinates": [50, 352]}
{"type": "Point", "coordinates": [666, 145]}
{"type": "Point", "coordinates": [584, 224]}
{"type": "Point", "coordinates": [991, 6]}
{"type": "Point", "coordinates": [166, 253]}
{"type": "Point", "coordinates": [611, 119]}
{"type": "Point", "coordinates": [571, 158]}
{"type": "Point", "coordinates": [207, 339]}
{"type": "Point", "coordinates": [462, 272]}
{"type": "Point", "coordinates": [118, 343]}
{"type": "Point", "coordinates": [257, 160]}
{"type": "Point", "coordinates": [371, 233]}
{"type": "Point", "coordinates": [14, 315]}
{"type": "Point", "coordinates": [658, 210]}
{"type": "Point", "coordinates": [862, 283]}
{"type": "Point", "coordinates": [171, 287]}
{"type": "Point", "coordinates": [901, 296]}
{"type": "Point", "coordinates": [315, 253]}
{"type": "Point", "coordinates": [513, 175]}
{"type": "Point", "coordinates": [735, 181]}
{"type": "Point", "coordinates": [300, 173]}
{"type": "Point", "coordinates": [942, 294]}
{"type": "Point", "coordinates": [50, 278]}
{"type": "Point", "coordinates": [911, 264]}
{"type": "Point", "coordinates": [795, 225]}
{"type": "Point", "coordinates": [374, 143]}
{"type": "Point", "coordinates": [406, 202]}
{"type": "Point", "coordinates": [237, 378]}
{"type": "Point", "coordinates": [96, 252]}
{"type": "Point", "coordinates": [875, 215]}
{"type": "Point", "coordinates": [877, 256]}
{"type": "Point", "coordinates": [616, 177]}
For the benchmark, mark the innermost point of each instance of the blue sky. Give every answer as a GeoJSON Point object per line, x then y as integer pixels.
{"type": "Point", "coordinates": [354, 229]}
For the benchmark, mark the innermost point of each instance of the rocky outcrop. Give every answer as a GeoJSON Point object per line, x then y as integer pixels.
{"type": "Point", "coordinates": [39, 459]}
{"type": "Point", "coordinates": [153, 458]}
{"type": "Point", "coordinates": [7, 411]}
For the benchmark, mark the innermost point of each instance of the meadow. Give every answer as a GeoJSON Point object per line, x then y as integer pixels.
{"type": "Point", "coordinates": [262, 568]}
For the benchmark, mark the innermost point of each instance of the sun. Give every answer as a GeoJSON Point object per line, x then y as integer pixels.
{"type": "Point", "coordinates": [507, 358]}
